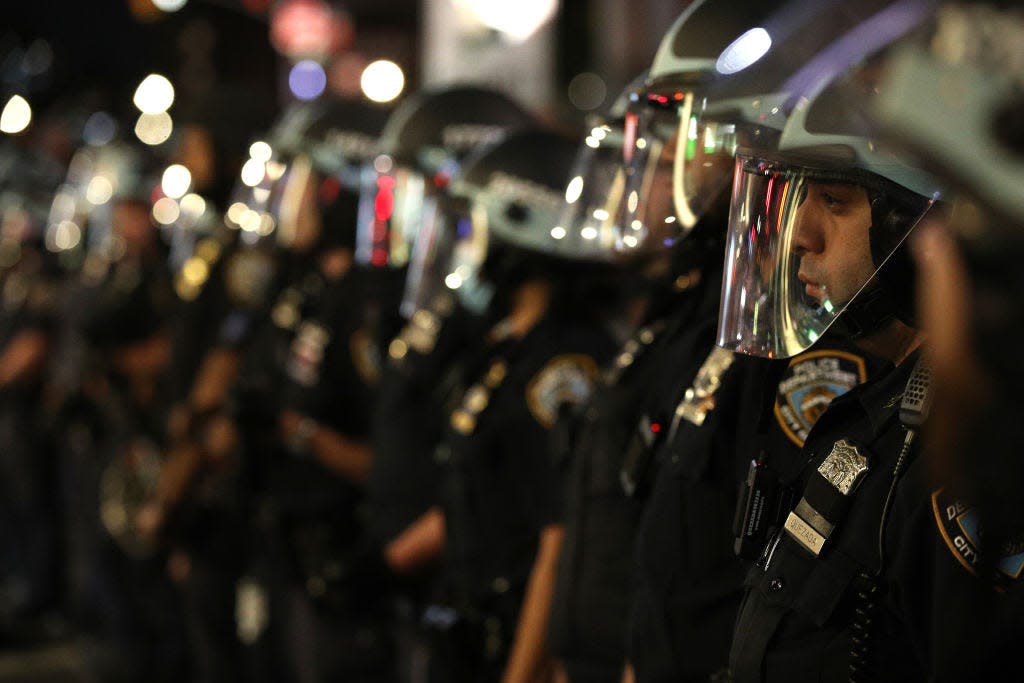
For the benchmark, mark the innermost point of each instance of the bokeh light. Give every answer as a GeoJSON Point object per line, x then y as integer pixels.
{"type": "Point", "coordinates": [518, 20]}
{"type": "Point", "coordinates": [587, 91]}
{"type": "Point", "coordinates": [154, 129]}
{"type": "Point", "coordinates": [260, 151]}
{"type": "Point", "coordinates": [382, 80]}
{"type": "Point", "coordinates": [155, 94]}
{"type": "Point", "coordinates": [100, 128]}
{"type": "Point", "coordinates": [169, 5]}
{"type": "Point", "coordinates": [175, 181]}
{"type": "Point", "coordinates": [166, 211]}
{"type": "Point", "coordinates": [16, 116]}
{"type": "Point", "coordinates": [307, 80]}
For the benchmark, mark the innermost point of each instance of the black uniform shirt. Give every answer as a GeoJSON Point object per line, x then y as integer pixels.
{"type": "Point", "coordinates": [624, 423]}
{"type": "Point", "coordinates": [798, 616]}
{"type": "Point", "coordinates": [422, 368]}
{"type": "Point", "coordinates": [689, 580]}
{"type": "Point", "coordinates": [498, 491]}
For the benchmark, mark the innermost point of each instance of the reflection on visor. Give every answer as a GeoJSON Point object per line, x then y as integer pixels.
{"type": "Point", "coordinates": [677, 164]}
{"type": "Point", "coordinates": [798, 252]}
{"type": "Point", "coordinates": [394, 203]}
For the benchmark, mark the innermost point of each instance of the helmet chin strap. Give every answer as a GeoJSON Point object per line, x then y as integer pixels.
{"type": "Point", "coordinates": [867, 313]}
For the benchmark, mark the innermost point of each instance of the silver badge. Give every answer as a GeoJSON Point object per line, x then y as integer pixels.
{"type": "Point", "coordinates": [844, 467]}
{"type": "Point", "coordinates": [699, 399]}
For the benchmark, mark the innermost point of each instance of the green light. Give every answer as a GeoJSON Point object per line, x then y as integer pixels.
{"type": "Point", "coordinates": [827, 305]}
{"type": "Point", "coordinates": [812, 335]}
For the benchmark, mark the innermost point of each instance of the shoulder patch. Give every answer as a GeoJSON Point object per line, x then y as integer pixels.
{"type": "Point", "coordinates": [958, 524]}
{"type": "Point", "coordinates": [568, 378]}
{"type": "Point", "coordinates": [809, 385]}
{"type": "Point", "coordinates": [307, 353]}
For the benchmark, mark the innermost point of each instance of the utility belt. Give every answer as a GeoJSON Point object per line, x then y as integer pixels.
{"type": "Point", "coordinates": [480, 628]}
{"type": "Point", "coordinates": [338, 573]}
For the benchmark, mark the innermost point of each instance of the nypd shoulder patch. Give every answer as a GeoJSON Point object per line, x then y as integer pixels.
{"type": "Point", "coordinates": [566, 379]}
{"type": "Point", "coordinates": [809, 385]}
{"type": "Point", "coordinates": [960, 528]}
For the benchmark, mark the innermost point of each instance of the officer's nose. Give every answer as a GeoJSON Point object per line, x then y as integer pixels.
{"type": "Point", "coordinates": [808, 236]}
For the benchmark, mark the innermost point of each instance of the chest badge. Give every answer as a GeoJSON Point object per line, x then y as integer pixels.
{"type": "Point", "coordinates": [844, 467]}
{"type": "Point", "coordinates": [812, 381]}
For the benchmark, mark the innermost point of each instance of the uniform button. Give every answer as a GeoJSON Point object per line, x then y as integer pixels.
{"type": "Point", "coordinates": [775, 585]}
{"type": "Point", "coordinates": [500, 585]}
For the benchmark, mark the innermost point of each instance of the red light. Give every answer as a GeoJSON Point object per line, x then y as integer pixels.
{"type": "Point", "coordinates": [383, 205]}
{"type": "Point", "coordinates": [655, 427]}
{"type": "Point", "coordinates": [329, 190]}
{"type": "Point", "coordinates": [441, 180]}
{"type": "Point", "coordinates": [678, 96]}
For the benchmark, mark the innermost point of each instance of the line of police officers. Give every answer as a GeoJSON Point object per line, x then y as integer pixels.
{"type": "Point", "coordinates": [448, 397]}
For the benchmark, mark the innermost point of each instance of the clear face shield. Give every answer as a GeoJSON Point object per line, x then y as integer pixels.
{"type": "Point", "coordinates": [799, 249]}
{"type": "Point", "coordinates": [677, 160]}
{"type": "Point", "coordinates": [595, 192]}
{"type": "Point", "coordinates": [395, 202]}
{"type": "Point", "coordinates": [449, 254]}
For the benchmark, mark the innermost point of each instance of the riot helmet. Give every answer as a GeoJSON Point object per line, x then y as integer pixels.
{"type": "Point", "coordinates": [420, 150]}
{"type": "Point", "coordinates": [951, 98]}
{"type": "Point", "coordinates": [508, 199]}
{"type": "Point", "coordinates": [302, 184]}
{"type": "Point", "coordinates": [676, 161]}
{"type": "Point", "coordinates": [102, 181]}
{"type": "Point", "coordinates": [819, 210]}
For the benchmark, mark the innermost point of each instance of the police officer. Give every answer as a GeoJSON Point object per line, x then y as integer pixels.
{"type": "Point", "coordinates": [328, 591]}
{"type": "Point", "coordinates": [967, 283]}
{"type": "Point", "coordinates": [122, 596]}
{"type": "Point", "coordinates": [420, 150]}
{"type": "Point", "coordinates": [614, 438]}
{"type": "Point", "coordinates": [28, 308]}
{"type": "Point", "coordinates": [542, 354]}
{"type": "Point", "coordinates": [815, 244]}
{"type": "Point", "coordinates": [687, 581]}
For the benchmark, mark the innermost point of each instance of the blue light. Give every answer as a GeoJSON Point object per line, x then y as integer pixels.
{"type": "Point", "coordinates": [744, 51]}
{"type": "Point", "coordinates": [307, 80]}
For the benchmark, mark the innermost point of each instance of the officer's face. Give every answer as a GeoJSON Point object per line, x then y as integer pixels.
{"type": "Point", "coordinates": [831, 241]}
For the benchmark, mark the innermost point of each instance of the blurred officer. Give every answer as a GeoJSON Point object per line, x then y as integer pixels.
{"type": "Point", "coordinates": [113, 431]}
{"type": "Point", "coordinates": [615, 436]}
{"type": "Point", "coordinates": [309, 411]}
{"type": "Point", "coordinates": [421, 149]}
{"type": "Point", "coordinates": [968, 283]}
{"type": "Point", "coordinates": [541, 356]}
{"type": "Point", "coordinates": [297, 320]}
{"type": "Point", "coordinates": [28, 306]}
{"type": "Point", "coordinates": [816, 243]}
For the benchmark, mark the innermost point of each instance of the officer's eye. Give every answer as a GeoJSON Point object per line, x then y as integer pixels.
{"type": "Point", "coordinates": [831, 200]}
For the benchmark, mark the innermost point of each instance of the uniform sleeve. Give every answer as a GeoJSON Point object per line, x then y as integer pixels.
{"type": "Point", "coordinates": [554, 394]}
{"type": "Point", "coordinates": [959, 625]}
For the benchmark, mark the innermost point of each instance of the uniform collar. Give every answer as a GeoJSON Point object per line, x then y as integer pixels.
{"type": "Point", "coordinates": [880, 399]}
